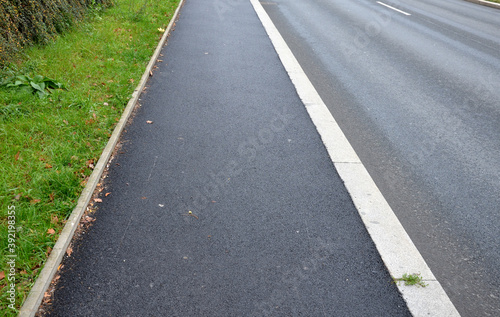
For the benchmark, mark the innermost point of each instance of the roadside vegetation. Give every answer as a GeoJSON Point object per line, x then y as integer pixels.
{"type": "Point", "coordinates": [410, 280]}
{"type": "Point", "coordinates": [59, 102]}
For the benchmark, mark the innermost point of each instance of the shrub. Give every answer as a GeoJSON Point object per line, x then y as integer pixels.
{"type": "Point", "coordinates": [28, 22]}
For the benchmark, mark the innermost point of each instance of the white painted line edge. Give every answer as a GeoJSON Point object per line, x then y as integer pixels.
{"type": "Point", "coordinates": [393, 243]}
{"type": "Point", "coordinates": [400, 11]}
{"type": "Point", "coordinates": [35, 296]}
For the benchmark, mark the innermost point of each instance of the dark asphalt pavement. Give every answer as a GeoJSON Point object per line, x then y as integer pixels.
{"type": "Point", "coordinates": [418, 97]}
{"type": "Point", "coordinates": [272, 232]}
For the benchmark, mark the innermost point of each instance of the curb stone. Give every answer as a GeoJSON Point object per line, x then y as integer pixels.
{"type": "Point", "coordinates": [35, 296]}
{"type": "Point", "coordinates": [486, 3]}
{"type": "Point", "coordinates": [394, 245]}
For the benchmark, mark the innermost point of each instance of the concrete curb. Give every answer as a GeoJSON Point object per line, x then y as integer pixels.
{"type": "Point", "coordinates": [398, 252]}
{"type": "Point", "coordinates": [35, 297]}
{"type": "Point", "coordinates": [486, 3]}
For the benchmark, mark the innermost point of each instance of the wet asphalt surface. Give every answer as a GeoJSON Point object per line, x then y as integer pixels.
{"type": "Point", "coordinates": [272, 230]}
{"type": "Point", "coordinates": [418, 97]}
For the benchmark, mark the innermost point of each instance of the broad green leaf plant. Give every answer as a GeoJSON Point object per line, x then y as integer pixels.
{"type": "Point", "coordinates": [39, 85]}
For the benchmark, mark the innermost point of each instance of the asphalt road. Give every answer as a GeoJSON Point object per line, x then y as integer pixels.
{"type": "Point", "coordinates": [272, 230]}
{"type": "Point", "coordinates": [417, 92]}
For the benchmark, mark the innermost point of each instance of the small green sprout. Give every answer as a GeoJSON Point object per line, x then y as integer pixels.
{"type": "Point", "coordinates": [411, 279]}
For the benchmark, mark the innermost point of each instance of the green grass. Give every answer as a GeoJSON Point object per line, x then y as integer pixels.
{"type": "Point", "coordinates": [48, 145]}
{"type": "Point", "coordinates": [411, 279]}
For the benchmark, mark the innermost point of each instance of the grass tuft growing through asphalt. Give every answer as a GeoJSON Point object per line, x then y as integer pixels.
{"type": "Point", "coordinates": [410, 280]}
{"type": "Point", "coordinates": [49, 145]}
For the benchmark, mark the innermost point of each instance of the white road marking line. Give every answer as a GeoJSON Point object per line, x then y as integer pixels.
{"type": "Point", "coordinates": [391, 240]}
{"type": "Point", "coordinates": [405, 13]}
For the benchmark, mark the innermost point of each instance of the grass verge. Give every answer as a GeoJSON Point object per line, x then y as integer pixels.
{"type": "Point", "coordinates": [49, 145]}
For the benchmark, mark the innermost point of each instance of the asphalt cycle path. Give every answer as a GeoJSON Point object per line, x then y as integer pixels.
{"type": "Point", "coordinates": [224, 201]}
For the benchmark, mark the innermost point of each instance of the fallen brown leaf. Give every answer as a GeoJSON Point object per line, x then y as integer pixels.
{"type": "Point", "coordinates": [90, 164]}
{"type": "Point", "coordinates": [107, 194]}
{"type": "Point", "coordinates": [149, 122]}
{"type": "Point", "coordinates": [17, 155]}
{"type": "Point", "coordinates": [69, 251]}
{"type": "Point", "coordinates": [54, 220]}
{"type": "Point", "coordinates": [87, 219]}
{"type": "Point", "coordinates": [2, 275]}
{"type": "Point", "coordinates": [98, 200]}
{"type": "Point", "coordinates": [51, 231]}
